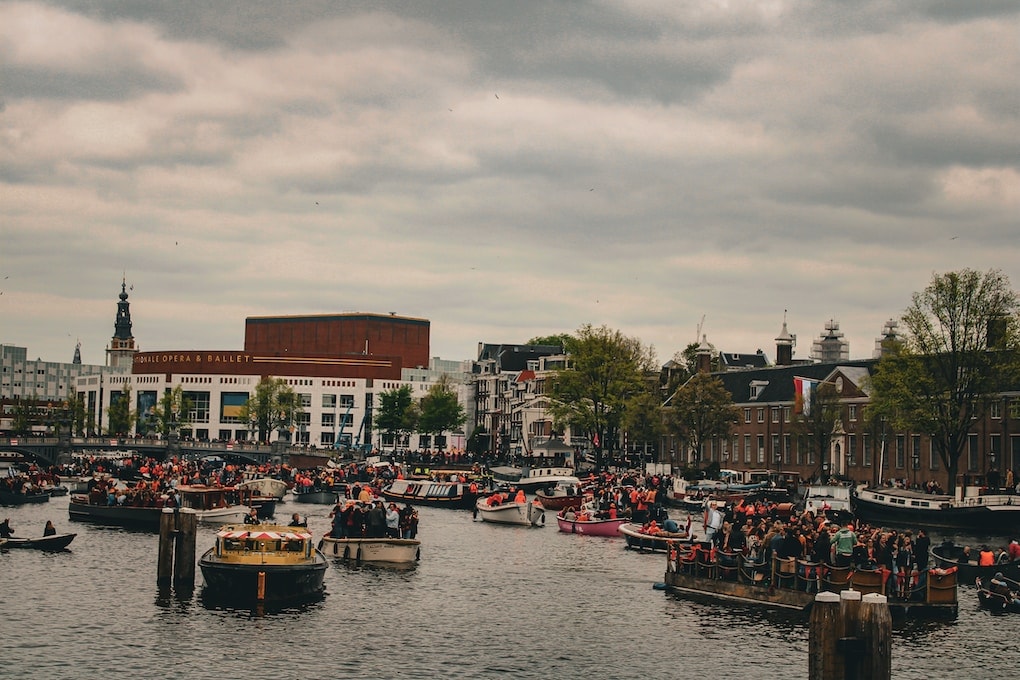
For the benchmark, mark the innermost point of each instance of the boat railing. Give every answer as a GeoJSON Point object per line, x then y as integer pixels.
{"type": "Point", "coordinates": [932, 586]}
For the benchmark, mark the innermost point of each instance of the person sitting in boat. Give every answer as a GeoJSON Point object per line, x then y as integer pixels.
{"type": "Point", "coordinates": [296, 521]}
{"type": "Point", "coordinates": [252, 517]}
{"type": "Point", "coordinates": [494, 500]}
{"type": "Point", "coordinates": [569, 514]}
{"type": "Point", "coordinates": [651, 528]}
{"type": "Point", "coordinates": [49, 529]}
{"type": "Point", "coordinates": [986, 557]}
{"type": "Point", "coordinates": [520, 498]}
{"type": "Point", "coordinates": [1014, 551]}
{"type": "Point", "coordinates": [5, 529]}
{"type": "Point", "coordinates": [612, 511]}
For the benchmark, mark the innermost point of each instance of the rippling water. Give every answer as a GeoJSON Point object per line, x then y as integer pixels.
{"type": "Point", "coordinates": [485, 600]}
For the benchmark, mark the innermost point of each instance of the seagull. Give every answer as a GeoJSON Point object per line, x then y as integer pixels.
{"type": "Point", "coordinates": [953, 238]}
{"type": "Point", "coordinates": [497, 96]}
{"type": "Point", "coordinates": [316, 203]}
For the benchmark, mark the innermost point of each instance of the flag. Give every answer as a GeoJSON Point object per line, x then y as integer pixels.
{"type": "Point", "coordinates": [595, 440]}
{"type": "Point", "coordinates": [803, 389]}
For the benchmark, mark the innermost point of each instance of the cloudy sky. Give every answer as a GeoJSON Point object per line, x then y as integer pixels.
{"type": "Point", "coordinates": [504, 169]}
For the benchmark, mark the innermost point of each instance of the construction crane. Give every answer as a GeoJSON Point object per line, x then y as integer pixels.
{"type": "Point", "coordinates": [697, 336]}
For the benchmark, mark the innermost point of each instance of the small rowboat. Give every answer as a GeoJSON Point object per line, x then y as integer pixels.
{"type": "Point", "coordinates": [53, 543]}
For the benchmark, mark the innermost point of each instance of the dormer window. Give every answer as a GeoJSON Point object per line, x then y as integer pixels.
{"type": "Point", "coordinates": [758, 387]}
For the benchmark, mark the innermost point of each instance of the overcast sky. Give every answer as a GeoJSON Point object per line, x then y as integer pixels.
{"type": "Point", "coordinates": [503, 169]}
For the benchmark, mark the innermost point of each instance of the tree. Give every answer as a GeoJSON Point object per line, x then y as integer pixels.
{"type": "Point", "coordinates": [606, 369]}
{"type": "Point", "coordinates": [76, 417]}
{"type": "Point", "coordinates": [440, 409]}
{"type": "Point", "coordinates": [25, 415]}
{"type": "Point", "coordinates": [171, 412]}
{"type": "Point", "coordinates": [564, 340]}
{"type": "Point", "coordinates": [274, 406]}
{"type": "Point", "coordinates": [701, 409]}
{"type": "Point", "coordinates": [818, 423]}
{"type": "Point", "coordinates": [642, 418]}
{"type": "Point", "coordinates": [958, 354]}
{"type": "Point", "coordinates": [398, 413]}
{"type": "Point", "coordinates": [121, 417]}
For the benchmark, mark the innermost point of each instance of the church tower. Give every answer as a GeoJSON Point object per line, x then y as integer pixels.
{"type": "Point", "coordinates": [121, 352]}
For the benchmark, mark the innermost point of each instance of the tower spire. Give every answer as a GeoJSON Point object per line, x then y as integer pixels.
{"type": "Point", "coordinates": [122, 346]}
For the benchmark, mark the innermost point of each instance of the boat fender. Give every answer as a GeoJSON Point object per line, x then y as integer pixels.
{"type": "Point", "coordinates": [417, 555]}
{"type": "Point", "coordinates": [347, 553]}
{"type": "Point", "coordinates": [358, 557]}
{"type": "Point", "coordinates": [659, 585]}
{"type": "Point", "coordinates": [321, 543]}
{"type": "Point", "coordinates": [542, 519]}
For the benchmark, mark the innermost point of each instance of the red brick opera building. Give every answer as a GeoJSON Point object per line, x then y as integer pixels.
{"type": "Point", "coordinates": [355, 345]}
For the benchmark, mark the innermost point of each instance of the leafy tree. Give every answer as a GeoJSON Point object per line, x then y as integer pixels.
{"type": "Point", "coordinates": [606, 369]}
{"type": "Point", "coordinates": [25, 415]}
{"type": "Point", "coordinates": [274, 406]}
{"type": "Point", "coordinates": [121, 417]}
{"type": "Point", "coordinates": [76, 417]}
{"type": "Point", "coordinates": [398, 413]}
{"type": "Point", "coordinates": [642, 418]}
{"type": "Point", "coordinates": [440, 409]}
{"type": "Point", "coordinates": [818, 424]}
{"type": "Point", "coordinates": [701, 409]}
{"type": "Point", "coordinates": [564, 340]}
{"type": "Point", "coordinates": [172, 411]}
{"type": "Point", "coordinates": [958, 354]}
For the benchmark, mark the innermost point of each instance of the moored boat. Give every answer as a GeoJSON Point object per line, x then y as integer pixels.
{"type": "Point", "coordinates": [509, 512]}
{"type": "Point", "coordinates": [268, 563]}
{"type": "Point", "coordinates": [21, 498]}
{"type": "Point", "coordinates": [264, 487]}
{"type": "Point", "coordinates": [49, 543]}
{"type": "Point", "coordinates": [591, 527]}
{"type": "Point", "coordinates": [382, 551]}
{"type": "Point", "coordinates": [829, 500]}
{"type": "Point", "coordinates": [533, 478]}
{"type": "Point", "coordinates": [434, 494]}
{"type": "Point", "coordinates": [83, 508]}
{"type": "Point", "coordinates": [990, 513]}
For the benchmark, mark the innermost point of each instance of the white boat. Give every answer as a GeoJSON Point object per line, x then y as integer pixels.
{"type": "Point", "coordinates": [541, 477]}
{"type": "Point", "coordinates": [384, 551]}
{"type": "Point", "coordinates": [264, 486]}
{"type": "Point", "coordinates": [831, 500]}
{"type": "Point", "coordinates": [529, 513]}
{"type": "Point", "coordinates": [212, 504]}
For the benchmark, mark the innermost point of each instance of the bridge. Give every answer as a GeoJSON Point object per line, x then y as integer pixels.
{"type": "Point", "coordinates": [55, 450]}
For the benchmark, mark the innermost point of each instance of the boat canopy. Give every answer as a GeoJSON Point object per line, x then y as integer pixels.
{"type": "Point", "coordinates": [264, 535]}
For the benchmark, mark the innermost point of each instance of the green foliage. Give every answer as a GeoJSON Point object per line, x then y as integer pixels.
{"type": "Point", "coordinates": [172, 412]}
{"type": "Point", "coordinates": [643, 418]}
{"type": "Point", "coordinates": [564, 340]}
{"type": "Point", "coordinates": [606, 370]}
{"type": "Point", "coordinates": [440, 410]}
{"type": "Point", "coordinates": [959, 354]}
{"type": "Point", "coordinates": [274, 406]}
{"type": "Point", "coordinates": [25, 415]}
{"type": "Point", "coordinates": [398, 414]}
{"type": "Point", "coordinates": [701, 409]}
{"type": "Point", "coordinates": [817, 426]}
{"type": "Point", "coordinates": [121, 416]}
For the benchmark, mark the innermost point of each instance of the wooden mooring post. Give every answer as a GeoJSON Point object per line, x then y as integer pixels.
{"type": "Point", "coordinates": [850, 637]}
{"type": "Point", "coordinates": [175, 564]}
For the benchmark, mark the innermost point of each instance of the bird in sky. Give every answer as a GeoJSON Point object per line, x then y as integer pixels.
{"type": "Point", "coordinates": [497, 96]}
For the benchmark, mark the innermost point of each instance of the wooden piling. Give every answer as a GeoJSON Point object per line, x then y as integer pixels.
{"type": "Point", "coordinates": [184, 555]}
{"type": "Point", "coordinates": [824, 632]}
{"type": "Point", "coordinates": [165, 558]}
{"type": "Point", "coordinates": [876, 633]}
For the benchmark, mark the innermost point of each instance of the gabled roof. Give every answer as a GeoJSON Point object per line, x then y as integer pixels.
{"type": "Point", "coordinates": [515, 357]}
{"type": "Point", "coordinates": [775, 384]}
{"type": "Point", "coordinates": [735, 360]}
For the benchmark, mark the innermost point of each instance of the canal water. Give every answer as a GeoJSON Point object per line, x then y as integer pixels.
{"type": "Point", "coordinates": [484, 601]}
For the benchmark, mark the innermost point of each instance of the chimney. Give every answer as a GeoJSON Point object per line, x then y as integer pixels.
{"type": "Point", "coordinates": [704, 356]}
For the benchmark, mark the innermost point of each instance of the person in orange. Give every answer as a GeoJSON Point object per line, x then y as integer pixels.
{"type": "Point", "coordinates": [520, 497]}
{"type": "Point", "coordinates": [986, 557]}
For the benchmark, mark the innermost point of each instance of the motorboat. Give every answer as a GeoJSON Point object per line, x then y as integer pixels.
{"type": "Point", "coordinates": [529, 513]}
{"type": "Point", "coordinates": [982, 514]}
{"type": "Point", "coordinates": [829, 500]}
{"type": "Point", "coordinates": [591, 527]}
{"type": "Point", "coordinates": [382, 551]}
{"type": "Point", "coordinates": [264, 563]}
{"type": "Point", "coordinates": [317, 496]}
{"type": "Point", "coordinates": [655, 538]}
{"type": "Point", "coordinates": [86, 508]}
{"type": "Point", "coordinates": [264, 487]}
{"type": "Point", "coordinates": [22, 498]}
{"type": "Point", "coordinates": [213, 504]}
{"type": "Point", "coordinates": [562, 495]}
{"type": "Point", "coordinates": [431, 493]}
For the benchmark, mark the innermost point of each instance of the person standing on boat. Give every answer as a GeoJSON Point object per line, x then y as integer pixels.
{"type": "Point", "coordinates": [392, 521]}
{"type": "Point", "coordinates": [844, 541]}
{"type": "Point", "coordinates": [49, 529]}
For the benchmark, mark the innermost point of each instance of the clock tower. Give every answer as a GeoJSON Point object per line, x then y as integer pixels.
{"type": "Point", "coordinates": [121, 352]}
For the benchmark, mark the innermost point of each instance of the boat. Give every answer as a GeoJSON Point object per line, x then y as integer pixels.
{"type": "Point", "coordinates": [82, 507]}
{"type": "Point", "coordinates": [591, 527]}
{"type": "Point", "coordinates": [52, 543]}
{"type": "Point", "coordinates": [216, 504]}
{"type": "Point", "coordinates": [382, 551]}
{"type": "Point", "coordinates": [267, 563]}
{"type": "Point", "coordinates": [949, 554]}
{"type": "Point", "coordinates": [663, 540]}
{"type": "Point", "coordinates": [264, 487]}
{"type": "Point", "coordinates": [8, 497]}
{"type": "Point", "coordinates": [830, 500]}
{"type": "Point", "coordinates": [317, 496]}
{"type": "Point", "coordinates": [434, 494]}
{"type": "Point", "coordinates": [509, 512]}
{"type": "Point", "coordinates": [533, 478]}
{"type": "Point", "coordinates": [990, 513]}
{"type": "Point", "coordinates": [562, 495]}
{"type": "Point", "coordinates": [702, 571]}
{"type": "Point", "coordinates": [998, 593]}
{"type": "Point", "coordinates": [56, 491]}
{"type": "Point", "coordinates": [265, 506]}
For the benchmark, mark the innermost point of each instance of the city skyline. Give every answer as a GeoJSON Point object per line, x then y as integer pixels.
{"type": "Point", "coordinates": [503, 171]}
